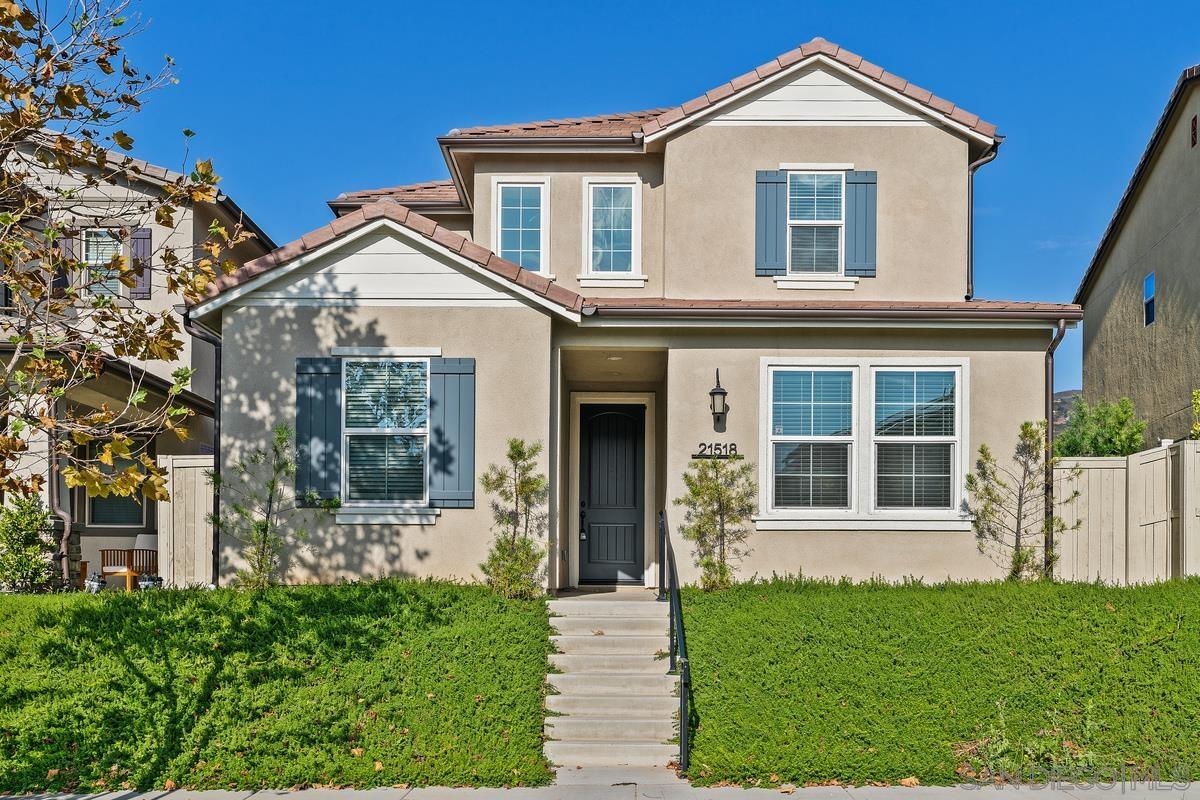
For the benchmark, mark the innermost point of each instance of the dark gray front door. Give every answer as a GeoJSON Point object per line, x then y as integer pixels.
{"type": "Point", "coordinates": [612, 489]}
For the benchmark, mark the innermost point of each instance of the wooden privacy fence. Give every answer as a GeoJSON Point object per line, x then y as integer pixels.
{"type": "Point", "coordinates": [185, 536]}
{"type": "Point", "coordinates": [1139, 516]}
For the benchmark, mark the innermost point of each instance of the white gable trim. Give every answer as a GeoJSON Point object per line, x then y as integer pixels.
{"type": "Point", "coordinates": [840, 68]}
{"type": "Point", "coordinates": [238, 292]}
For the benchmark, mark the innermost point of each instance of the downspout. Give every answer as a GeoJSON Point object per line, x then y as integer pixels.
{"type": "Point", "coordinates": [64, 541]}
{"type": "Point", "coordinates": [988, 156]}
{"type": "Point", "coordinates": [1048, 459]}
{"type": "Point", "coordinates": [205, 335]}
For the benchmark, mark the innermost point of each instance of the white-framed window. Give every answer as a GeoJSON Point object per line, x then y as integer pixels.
{"type": "Point", "coordinates": [612, 229]}
{"type": "Point", "coordinates": [115, 511]}
{"type": "Point", "coordinates": [816, 222]}
{"type": "Point", "coordinates": [1148, 296]}
{"type": "Point", "coordinates": [812, 437]}
{"type": "Point", "coordinates": [521, 227]}
{"type": "Point", "coordinates": [915, 437]}
{"type": "Point", "coordinates": [863, 443]}
{"type": "Point", "coordinates": [100, 247]}
{"type": "Point", "coordinates": [385, 431]}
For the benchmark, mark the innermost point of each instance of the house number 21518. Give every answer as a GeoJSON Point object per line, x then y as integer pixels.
{"type": "Point", "coordinates": [716, 450]}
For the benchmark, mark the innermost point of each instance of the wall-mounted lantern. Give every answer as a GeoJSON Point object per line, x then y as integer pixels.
{"type": "Point", "coordinates": [716, 399]}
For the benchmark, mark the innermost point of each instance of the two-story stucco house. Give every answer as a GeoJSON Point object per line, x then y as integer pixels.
{"type": "Point", "coordinates": [1141, 292]}
{"type": "Point", "coordinates": [105, 218]}
{"type": "Point", "coordinates": [804, 228]}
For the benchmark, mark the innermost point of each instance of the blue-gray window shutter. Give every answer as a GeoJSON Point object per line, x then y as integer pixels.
{"type": "Point", "coordinates": [860, 224]}
{"type": "Point", "coordinates": [770, 222]}
{"type": "Point", "coordinates": [62, 278]}
{"type": "Point", "coordinates": [452, 432]}
{"type": "Point", "coordinates": [318, 427]}
{"type": "Point", "coordinates": [140, 248]}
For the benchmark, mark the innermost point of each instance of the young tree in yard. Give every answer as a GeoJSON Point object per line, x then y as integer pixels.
{"type": "Point", "coordinates": [261, 507]}
{"type": "Point", "coordinates": [66, 88]}
{"type": "Point", "coordinates": [720, 499]}
{"type": "Point", "coordinates": [1009, 507]}
{"type": "Point", "coordinates": [514, 564]}
{"type": "Point", "coordinates": [1105, 429]}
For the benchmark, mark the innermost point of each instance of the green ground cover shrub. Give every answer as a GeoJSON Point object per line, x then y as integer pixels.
{"type": "Point", "coordinates": [371, 684]}
{"type": "Point", "coordinates": [815, 682]}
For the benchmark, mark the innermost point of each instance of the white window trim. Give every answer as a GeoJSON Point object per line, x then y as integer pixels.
{"type": "Point", "coordinates": [862, 514]}
{"type": "Point", "coordinates": [840, 224]}
{"type": "Point", "coordinates": [122, 248]}
{"type": "Point", "coordinates": [383, 506]}
{"type": "Point", "coordinates": [632, 279]}
{"type": "Point", "coordinates": [956, 441]}
{"type": "Point", "coordinates": [87, 508]}
{"type": "Point", "coordinates": [542, 182]}
{"type": "Point", "coordinates": [768, 489]}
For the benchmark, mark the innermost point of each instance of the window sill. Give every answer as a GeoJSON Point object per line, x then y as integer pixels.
{"type": "Point", "coordinates": [366, 515]}
{"type": "Point", "coordinates": [861, 522]}
{"type": "Point", "coordinates": [593, 281]}
{"type": "Point", "coordinates": [836, 282]}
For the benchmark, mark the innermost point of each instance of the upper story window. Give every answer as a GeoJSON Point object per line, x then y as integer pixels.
{"type": "Point", "coordinates": [612, 227]}
{"type": "Point", "coordinates": [1148, 290]}
{"type": "Point", "coordinates": [100, 247]}
{"type": "Point", "coordinates": [816, 218]}
{"type": "Point", "coordinates": [522, 224]}
{"type": "Point", "coordinates": [386, 431]}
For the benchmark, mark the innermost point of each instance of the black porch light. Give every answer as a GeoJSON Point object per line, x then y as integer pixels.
{"type": "Point", "coordinates": [716, 399]}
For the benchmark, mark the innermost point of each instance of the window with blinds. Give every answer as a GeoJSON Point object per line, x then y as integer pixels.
{"type": "Point", "coordinates": [386, 431]}
{"type": "Point", "coordinates": [115, 511]}
{"type": "Point", "coordinates": [816, 217]}
{"type": "Point", "coordinates": [812, 437]}
{"type": "Point", "coordinates": [915, 432]}
{"type": "Point", "coordinates": [100, 247]}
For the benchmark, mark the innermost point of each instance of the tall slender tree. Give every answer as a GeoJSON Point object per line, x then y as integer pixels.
{"type": "Point", "coordinates": [67, 88]}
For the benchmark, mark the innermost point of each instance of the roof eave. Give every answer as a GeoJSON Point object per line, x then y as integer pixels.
{"type": "Point", "coordinates": [1186, 78]}
{"type": "Point", "coordinates": [1049, 315]}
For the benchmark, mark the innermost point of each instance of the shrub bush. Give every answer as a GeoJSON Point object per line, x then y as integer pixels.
{"type": "Point", "coordinates": [26, 545]}
{"type": "Point", "coordinates": [1105, 429]}
{"type": "Point", "coordinates": [514, 564]}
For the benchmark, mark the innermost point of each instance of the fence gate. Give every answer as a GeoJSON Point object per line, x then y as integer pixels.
{"type": "Point", "coordinates": [1139, 516]}
{"type": "Point", "coordinates": [185, 536]}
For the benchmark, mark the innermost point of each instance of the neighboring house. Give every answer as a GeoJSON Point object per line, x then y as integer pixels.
{"type": "Point", "coordinates": [1141, 293]}
{"type": "Point", "coordinates": [805, 229]}
{"type": "Point", "coordinates": [117, 522]}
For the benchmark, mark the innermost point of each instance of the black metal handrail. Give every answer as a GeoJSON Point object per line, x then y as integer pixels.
{"type": "Point", "coordinates": [668, 591]}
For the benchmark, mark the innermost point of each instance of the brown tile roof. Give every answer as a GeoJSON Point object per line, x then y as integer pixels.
{"type": "Point", "coordinates": [413, 221]}
{"type": "Point", "coordinates": [649, 122]}
{"type": "Point", "coordinates": [1186, 78]}
{"type": "Point", "coordinates": [633, 306]}
{"type": "Point", "coordinates": [604, 125]}
{"type": "Point", "coordinates": [428, 192]}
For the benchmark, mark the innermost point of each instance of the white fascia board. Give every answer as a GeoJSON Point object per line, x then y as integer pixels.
{"type": "Point", "coordinates": [841, 68]}
{"type": "Point", "coordinates": [225, 298]}
{"type": "Point", "coordinates": [848, 322]}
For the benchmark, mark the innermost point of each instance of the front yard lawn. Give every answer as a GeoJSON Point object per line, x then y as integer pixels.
{"type": "Point", "coordinates": [371, 684]}
{"type": "Point", "coordinates": [816, 682]}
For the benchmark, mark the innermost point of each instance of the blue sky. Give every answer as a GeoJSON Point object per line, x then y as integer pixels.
{"type": "Point", "coordinates": [298, 101]}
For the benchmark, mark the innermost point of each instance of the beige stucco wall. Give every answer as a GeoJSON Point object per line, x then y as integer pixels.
{"type": "Point", "coordinates": [1156, 366]}
{"type": "Point", "coordinates": [512, 351]}
{"type": "Point", "coordinates": [1005, 389]}
{"type": "Point", "coordinates": [922, 207]}
{"type": "Point", "coordinates": [567, 210]}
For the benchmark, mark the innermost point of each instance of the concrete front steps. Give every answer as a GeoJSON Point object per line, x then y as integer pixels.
{"type": "Point", "coordinates": [616, 706]}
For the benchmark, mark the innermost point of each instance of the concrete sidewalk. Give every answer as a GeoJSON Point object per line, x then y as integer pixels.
{"type": "Point", "coordinates": [677, 791]}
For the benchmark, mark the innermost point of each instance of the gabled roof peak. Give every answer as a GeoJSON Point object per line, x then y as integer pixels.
{"type": "Point", "coordinates": [634, 124]}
